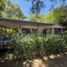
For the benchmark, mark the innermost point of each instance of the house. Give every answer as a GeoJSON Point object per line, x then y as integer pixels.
{"type": "Point", "coordinates": [28, 26]}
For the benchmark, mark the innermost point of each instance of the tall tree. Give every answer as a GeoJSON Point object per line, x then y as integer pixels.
{"type": "Point", "coordinates": [2, 6]}
{"type": "Point", "coordinates": [38, 5]}
{"type": "Point", "coordinates": [12, 11]}
{"type": "Point", "coordinates": [58, 16]}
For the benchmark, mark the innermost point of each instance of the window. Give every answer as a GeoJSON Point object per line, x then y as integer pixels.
{"type": "Point", "coordinates": [57, 30]}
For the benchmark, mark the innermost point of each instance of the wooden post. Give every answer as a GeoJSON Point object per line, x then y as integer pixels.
{"type": "Point", "coordinates": [40, 31]}
{"type": "Point", "coordinates": [52, 31]}
{"type": "Point", "coordinates": [31, 30]}
{"type": "Point", "coordinates": [19, 27]}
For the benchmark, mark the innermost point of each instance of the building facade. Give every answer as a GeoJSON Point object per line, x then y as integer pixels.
{"type": "Point", "coordinates": [27, 27]}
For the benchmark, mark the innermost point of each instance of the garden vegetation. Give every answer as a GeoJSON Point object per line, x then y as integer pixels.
{"type": "Point", "coordinates": [35, 45]}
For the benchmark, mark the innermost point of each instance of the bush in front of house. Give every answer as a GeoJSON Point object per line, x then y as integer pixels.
{"type": "Point", "coordinates": [34, 45]}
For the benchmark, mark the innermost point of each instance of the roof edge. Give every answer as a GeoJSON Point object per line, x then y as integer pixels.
{"type": "Point", "coordinates": [13, 20]}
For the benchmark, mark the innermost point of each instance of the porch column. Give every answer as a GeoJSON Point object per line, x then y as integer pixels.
{"type": "Point", "coordinates": [47, 31]}
{"type": "Point", "coordinates": [40, 31]}
{"type": "Point", "coordinates": [31, 30]}
{"type": "Point", "coordinates": [52, 31]}
{"type": "Point", "coordinates": [19, 27]}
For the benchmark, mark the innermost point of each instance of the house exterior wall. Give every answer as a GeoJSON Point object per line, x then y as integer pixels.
{"type": "Point", "coordinates": [28, 25]}
{"type": "Point", "coordinates": [8, 24]}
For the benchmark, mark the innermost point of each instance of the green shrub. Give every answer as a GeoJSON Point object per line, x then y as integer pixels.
{"type": "Point", "coordinates": [33, 45]}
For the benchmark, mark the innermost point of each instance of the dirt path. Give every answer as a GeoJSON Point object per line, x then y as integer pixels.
{"type": "Point", "coordinates": [54, 62]}
{"type": "Point", "coordinates": [58, 62]}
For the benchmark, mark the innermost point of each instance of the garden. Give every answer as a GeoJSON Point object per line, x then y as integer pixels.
{"type": "Point", "coordinates": [27, 47]}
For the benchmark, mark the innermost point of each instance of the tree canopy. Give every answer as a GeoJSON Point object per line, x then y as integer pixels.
{"type": "Point", "coordinates": [58, 15]}
{"type": "Point", "coordinates": [10, 10]}
{"type": "Point", "coordinates": [38, 5]}
{"type": "Point", "coordinates": [40, 18]}
{"type": "Point", "coordinates": [2, 6]}
{"type": "Point", "coordinates": [55, 16]}
{"type": "Point", "coordinates": [13, 11]}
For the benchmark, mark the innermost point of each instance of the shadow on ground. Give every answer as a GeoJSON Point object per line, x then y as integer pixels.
{"type": "Point", "coordinates": [52, 61]}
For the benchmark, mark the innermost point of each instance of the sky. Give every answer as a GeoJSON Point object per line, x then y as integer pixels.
{"type": "Point", "coordinates": [25, 6]}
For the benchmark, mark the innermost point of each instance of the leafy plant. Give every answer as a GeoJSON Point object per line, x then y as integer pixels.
{"type": "Point", "coordinates": [31, 46]}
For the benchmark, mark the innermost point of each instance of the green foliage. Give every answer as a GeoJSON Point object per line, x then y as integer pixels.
{"type": "Point", "coordinates": [2, 6]}
{"type": "Point", "coordinates": [58, 15]}
{"type": "Point", "coordinates": [31, 46]}
{"type": "Point", "coordinates": [11, 10]}
{"type": "Point", "coordinates": [50, 18]}
{"type": "Point", "coordinates": [7, 32]}
{"type": "Point", "coordinates": [40, 18]}
{"type": "Point", "coordinates": [37, 5]}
